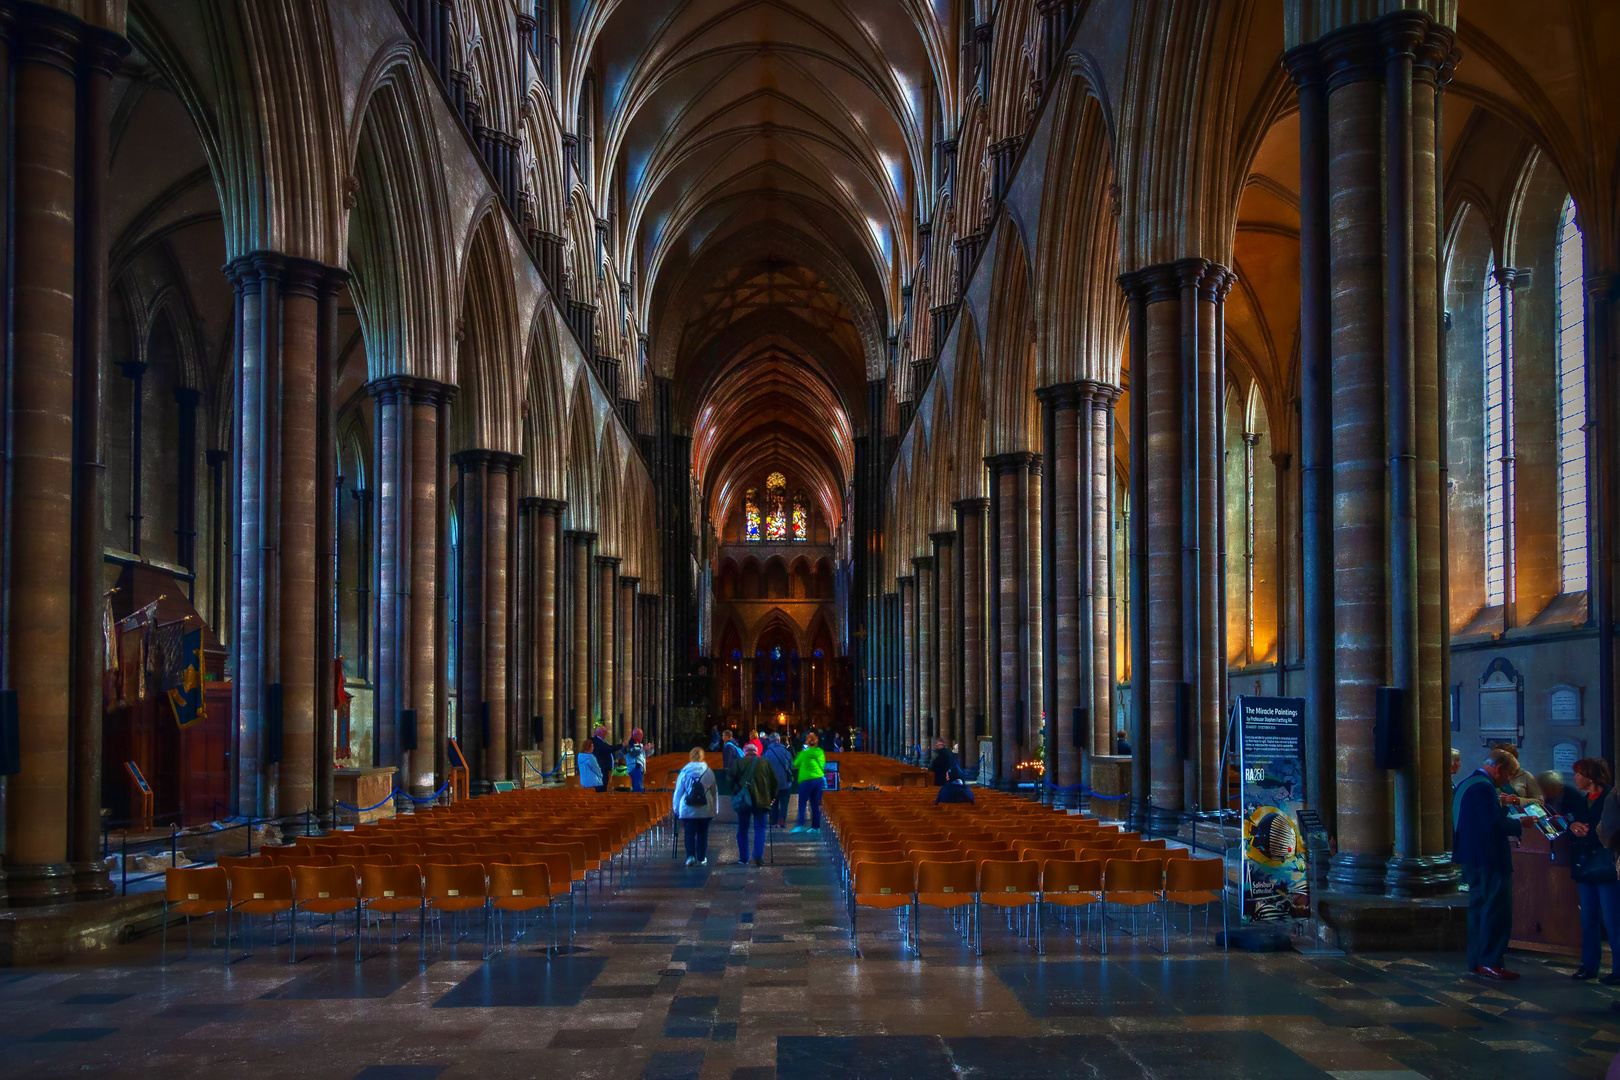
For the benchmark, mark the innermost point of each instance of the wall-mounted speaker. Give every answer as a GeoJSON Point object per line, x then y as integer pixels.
{"type": "Point", "coordinates": [10, 737]}
{"type": "Point", "coordinates": [272, 724]}
{"type": "Point", "coordinates": [1389, 728]}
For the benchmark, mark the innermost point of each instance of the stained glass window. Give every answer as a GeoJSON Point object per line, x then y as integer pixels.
{"type": "Point", "coordinates": [801, 519]}
{"type": "Point", "coordinates": [750, 515]}
{"type": "Point", "coordinates": [1498, 440]}
{"type": "Point", "coordinates": [776, 526]}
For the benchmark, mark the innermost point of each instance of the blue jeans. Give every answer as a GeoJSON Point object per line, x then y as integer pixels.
{"type": "Point", "coordinates": [636, 773]}
{"type": "Point", "coordinates": [758, 817]}
{"type": "Point", "coordinates": [810, 792]}
{"type": "Point", "coordinates": [695, 830]}
{"type": "Point", "coordinates": [1600, 916]}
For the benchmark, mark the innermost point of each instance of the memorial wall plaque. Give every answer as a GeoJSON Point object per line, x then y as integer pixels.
{"type": "Point", "coordinates": [1564, 706]}
{"type": "Point", "coordinates": [1501, 704]}
{"type": "Point", "coordinates": [1564, 756]}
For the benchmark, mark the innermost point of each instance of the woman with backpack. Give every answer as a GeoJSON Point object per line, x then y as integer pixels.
{"type": "Point", "coordinates": [753, 789]}
{"type": "Point", "coordinates": [695, 800]}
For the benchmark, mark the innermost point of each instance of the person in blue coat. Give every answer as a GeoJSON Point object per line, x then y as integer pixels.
{"type": "Point", "coordinates": [1480, 847]}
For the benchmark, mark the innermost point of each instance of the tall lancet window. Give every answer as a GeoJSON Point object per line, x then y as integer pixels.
{"type": "Point", "coordinates": [776, 524]}
{"type": "Point", "coordinates": [1498, 373]}
{"type": "Point", "coordinates": [750, 515]}
{"type": "Point", "coordinates": [801, 518]}
{"type": "Point", "coordinates": [1571, 403]}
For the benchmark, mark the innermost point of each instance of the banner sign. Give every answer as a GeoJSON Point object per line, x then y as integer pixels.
{"type": "Point", "coordinates": [1271, 759]}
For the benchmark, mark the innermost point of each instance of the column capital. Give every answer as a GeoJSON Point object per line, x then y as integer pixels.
{"type": "Point", "coordinates": [1011, 462]}
{"type": "Point", "coordinates": [1283, 460]}
{"type": "Point", "coordinates": [502, 462]}
{"type": "Point", "coordinates": [580, 536]}
{"type": "Point", "coordinates": [1059, 396]}
{"type": "Point", "coordinates": [943, 539]}
{"type": "Point", "coordinates": [553, 507]}
{"type": "Point", "coordinates": [431, 392]}
{"type": "Point", "coordinates": [628, 582]}
{"type": "Point", "coordinates": [471, 459]}
{"type": "Point", "coordinates": [971, 506]}
{"type": "Point", "coordinates": [1151, 284]}
{"type": "Point", "coordinates": [43, 35]}
{"type": "Point", "coordinates": [905, 580]}
{"type": "Point", "coordinates": [609, 562]}
{"type": "Point", "coordinates": [1103, 395]}
{"type": "Point", "coordinates": [390, 386]}
{"type": "Point", "coordinates": [920, 563]}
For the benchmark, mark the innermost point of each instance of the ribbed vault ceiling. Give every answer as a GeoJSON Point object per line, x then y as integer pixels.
{"type": "Point", "coordinates": [766, 157]}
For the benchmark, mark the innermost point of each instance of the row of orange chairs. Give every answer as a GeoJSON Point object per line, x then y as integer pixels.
{"type": "Point", "coordinates": [954, 884]}
{"type": "Point", "coordinates": [365, 891]}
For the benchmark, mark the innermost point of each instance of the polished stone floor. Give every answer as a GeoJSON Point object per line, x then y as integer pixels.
{"type": "Point", "coordinates": [728, 973]}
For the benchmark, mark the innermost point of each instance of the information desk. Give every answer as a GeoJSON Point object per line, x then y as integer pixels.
{"type": "Point", "coordinates": [363, 788]}
{"type": "Point", "coordinates": [1546, 907]}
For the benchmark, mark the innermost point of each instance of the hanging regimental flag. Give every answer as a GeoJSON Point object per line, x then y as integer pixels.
{"type": "Point", "coordinates": [186, 698]}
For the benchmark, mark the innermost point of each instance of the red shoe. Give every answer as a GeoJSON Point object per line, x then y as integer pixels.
{"type": "Point", "coordinates": [1499, 974]}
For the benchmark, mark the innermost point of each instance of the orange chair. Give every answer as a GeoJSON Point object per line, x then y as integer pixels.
{"type": "Point", "coordinates": [326, 890]}
{"type": "Point", "coordinates": [950, 886]}
{"type": "Point", "coordinates": [257, 890]}
{"type": "Point", "coordinates": [1009, 884]}
{"type": "Point", "coordinates": [228, 861]}
{"type": "Point", "coordinates": [523, 887]}
{"type": "Point", "coordinates": [1071, 884]}
{"type": "Point", "coordinates": [885, 886]}
{"type": "Point", "coordinates": [193, 891]}
{"type": "Point", "coordinates": [1132, 883]}
{"type": "Point", "coordinates": [391, 890]}
{"type": "Point", "coordinates": [455, 889]}
{"type": "Point", "coordinates": [1196, 883]}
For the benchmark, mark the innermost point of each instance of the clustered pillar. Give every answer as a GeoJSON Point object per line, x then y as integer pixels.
{"type": "Point", "coordinates": [1015, 616]}
{"type": "Point", "coordinates": [1370, 418]}
{"type": "Point", "coordinates": [947, 668]}
{"type": "Point", "coordinates": [1177, 327]}
{"type": "Point", "coordinates": [972, 584]}
{"type": "Point", "coordinates": [59, 122]}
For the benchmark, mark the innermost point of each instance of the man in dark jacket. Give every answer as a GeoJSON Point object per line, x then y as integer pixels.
{"type": "Point", "coordinates": [944, 764]}
{"type": "Point", "coordinates": [781, 763]}
{"type": "Point", "coordinates": [753, 789]}
{"type": "Point", "coordinates": [1480, 848]}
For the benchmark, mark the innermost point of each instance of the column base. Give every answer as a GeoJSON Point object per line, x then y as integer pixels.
{"type": "Point", "coordinates": [38, 885]}
{"type": "Point", "coordinates": [1159, 821]}
{"type": "Point", "coordinates": [1137, 816]}
{"type": "Point", "coordinates": [91, 881]}
{"type": "Point", "coordinates": [1413, 876]}
{"type": "Point", "coordinates": [1357, 874]}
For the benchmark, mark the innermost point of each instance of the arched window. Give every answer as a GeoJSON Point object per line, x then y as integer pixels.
{"type": "Point", "coordinates": [801, 518]}
{"type": "Point", "coordinates": [776, 525]}
{"type": "Point", "coordinates": [1498, 361]}
{"type": "Point", "coordinates": [1571, 403]}
{"type": "Point", "coordinates": [750, 515]}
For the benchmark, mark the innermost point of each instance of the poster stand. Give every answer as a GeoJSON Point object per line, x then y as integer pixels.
{"type": "Point", "coordinates": [140, 799]}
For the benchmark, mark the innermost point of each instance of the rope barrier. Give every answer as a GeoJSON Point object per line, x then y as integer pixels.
{"type": "Point", "coordinates": [358, 810]}
{"type": "Point", "coordinates": [543, 775]}
{"type": "Point", "coordinates": [425, 799]}
{"type": "Point", "coordinates": [1084, 790]}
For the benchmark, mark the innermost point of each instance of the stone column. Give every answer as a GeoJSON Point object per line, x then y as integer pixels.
{"type": "Point", "coordinates": [543, 644]}
{"type": "Point", "coordinates": [1013, 506]}
{"type": "Point", "coordinates": [972, 582]}
{"type": "Point", "coordinates": [1062, 407]}
{"type": "Point", "coordinates": [607, 603]}
{"type": "Point", "coordinates": [1383, 82]}
{"type": "Point", "coordinates": [927, 653]}
{"type": "Point", "coordinates": [471, 690]}
{"type": "Point", "coordinates": [1099, 578]}
{"type": "Point", "coordinates": [57, 325]}
{"type": "Point", "coordinates": [946, 712]}
{"type": "Point", "coordinates": [580, 667]}
{"type": "Point", "coordinates": [1177, 310]}
{"type": "Point", "coordinates": [907, 585]}
{"type": "Point", "coordinates": [1031, 659]}
{"type": "Point", "coordinates": [419, 769]}
{"type": "Point", "coordinates": [629, 667]}
{"type": "Point", "coordinates": [394, 424]}
{"type": "Point", "coordinates": [498, 480]}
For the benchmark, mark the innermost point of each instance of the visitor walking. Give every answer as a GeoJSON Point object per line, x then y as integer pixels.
{"type": "Point", "coordinates": [781, 763]}
{"type": "Point", "coordinates": [1481, 825]}
{"type": "Point", "coordinates": [753, 789]}
{"type": "Point", "coordinates": [1595, 818]}
{"type": "Point", "coordinates": [944, 764]}
{"type": "Point", "coordinates": [811, 766]}
{"type": "Point", "coordinates": [695, 801]}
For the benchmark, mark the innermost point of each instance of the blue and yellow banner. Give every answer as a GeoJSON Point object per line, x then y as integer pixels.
{"type": "Point", "coordinates": [186, 698]}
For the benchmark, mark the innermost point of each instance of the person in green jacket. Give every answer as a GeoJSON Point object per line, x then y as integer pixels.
{"type": "Point", "coordinates": [811, 766]}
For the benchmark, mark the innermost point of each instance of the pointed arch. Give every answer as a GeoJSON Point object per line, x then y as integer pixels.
{"type": "Point", "coordinates": [1010, 349]}
{"type": "Point", "coordinates": [486, 364]}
